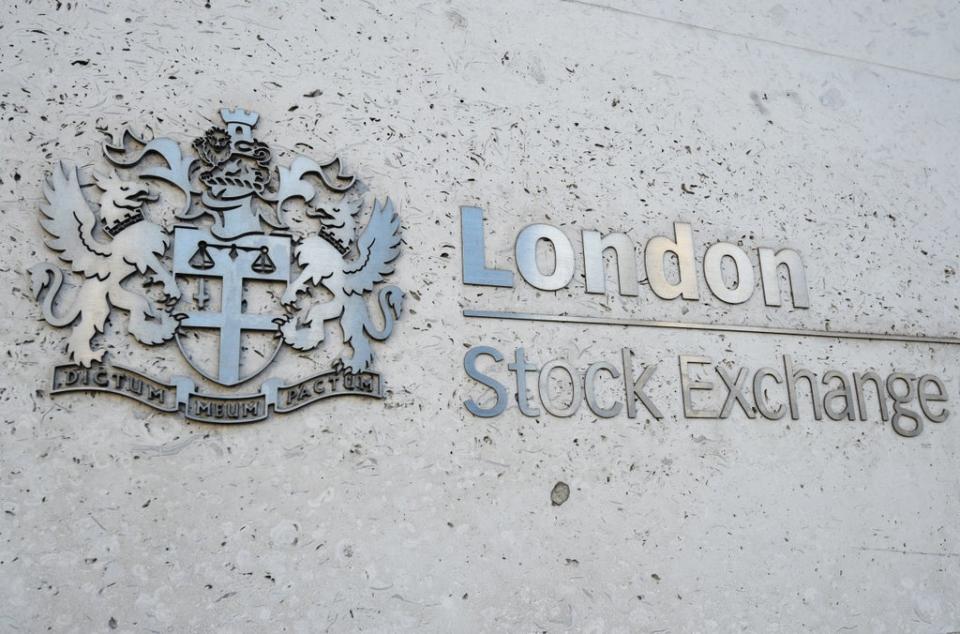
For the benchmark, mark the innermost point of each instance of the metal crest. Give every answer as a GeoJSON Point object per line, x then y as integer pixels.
{"type": "Point", "coordinates": [236, 281]}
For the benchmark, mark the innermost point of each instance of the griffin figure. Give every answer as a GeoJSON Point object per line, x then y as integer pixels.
{"type": "Point", "coordinates": [133, 245]}
{"type": "Point", "coordinates": [323, 258]}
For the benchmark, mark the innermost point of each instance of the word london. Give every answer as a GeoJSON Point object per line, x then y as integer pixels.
{"type": "Point", "coordinates": [657, 252]}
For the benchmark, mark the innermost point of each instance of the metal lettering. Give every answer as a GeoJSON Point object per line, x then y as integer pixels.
{"type": "Point", "coordinates": [71, 378]}
{"type": "Point", "coordinates": [899, 400]}
{"type": "Point", "coordinates": [770, 263]}
{"type": "Point", "coordinates": [475, 269]}
{"type": "Point", "coordinates": [590, 381]}
{"type": "Point", "coordinates": [713, 271]}
{"type": "Point", "coordinates": [470, 365]}
{"type": "Point", "coordinates": [792, 377]}
{"type": "Point", "coordinates": [859, 380]}
{"type": "Point", "coordinates": [656, 250]}
{"type": "Point", "coordinates": [635, 389]}
{"type": "Point", "coordinates": [521, 367]}
{"type": "Point", "coordinates": [687, 385]}
{"type": "Point", "coordinates": [101, 377]}
{"type": "Point", "coordinates": [526, 254]}
{"type": "Point", "coordinates": [297, 395]}
{"type": "Point", "coordinates": [759, 395]}
{"type": "Point", "coordinates": [735, 393]}
{"type": "Point", "coordinates": [640, 394]}
{"type": "Point", "coordinates": [843, 392]}
{"type": "Point", "coordinates": [925, 398]}
{"type": "Point", "coordinates": [547, 399]}
{"type": "Point", "coordinates": [594, 246]}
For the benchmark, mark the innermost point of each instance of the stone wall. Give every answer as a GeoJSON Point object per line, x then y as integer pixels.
{"type": "Point", "coordinates": [829, 128]}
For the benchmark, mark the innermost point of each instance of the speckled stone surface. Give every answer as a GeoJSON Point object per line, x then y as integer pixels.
{"type": "Point", "coordinates": [832, 129]}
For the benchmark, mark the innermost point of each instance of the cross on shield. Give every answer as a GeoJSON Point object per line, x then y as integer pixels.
{"type": "Point", "coordinates": [207, 261]}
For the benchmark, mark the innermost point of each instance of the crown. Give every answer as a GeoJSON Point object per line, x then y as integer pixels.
{"type": "Point", "coordinates": [239, 115]}
{"type": "Point", "coordinates": [335, 241]}
{"type": "Point", "coordinates": [129, 220]}
{"type": "Point", "coordinates": [338, 224]}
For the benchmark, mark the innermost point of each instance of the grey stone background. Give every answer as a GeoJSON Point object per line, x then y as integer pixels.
{"type": "Point", "coordinates": [831, 127]}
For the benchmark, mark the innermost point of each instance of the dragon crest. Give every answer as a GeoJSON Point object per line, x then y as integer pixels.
{"type": "Point", "coordinates": [233, 233]}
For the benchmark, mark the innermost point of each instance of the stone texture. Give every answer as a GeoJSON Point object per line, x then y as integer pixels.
{"type": "Point", "coordinates": [411, 515]}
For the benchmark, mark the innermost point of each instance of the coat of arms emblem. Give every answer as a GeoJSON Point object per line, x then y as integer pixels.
{"type": "Point", "coordinates": [232, 239]}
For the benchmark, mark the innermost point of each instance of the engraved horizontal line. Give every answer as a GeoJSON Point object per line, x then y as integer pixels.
{"type": "Point", "coordinates": [764, 40]}
{"type": "Point", "coordinates": [676, 325]}
{"type": "Point", "coordinates": [907, 552]}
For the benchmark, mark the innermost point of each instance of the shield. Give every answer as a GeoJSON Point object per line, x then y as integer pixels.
{"type": "Point", "coordinates": [226, 335]}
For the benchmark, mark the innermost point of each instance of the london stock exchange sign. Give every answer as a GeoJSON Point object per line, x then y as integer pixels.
{"type": "Point", "coordinates": [905, 399]}
{"type": "Point", "coordinates": [234, 237]}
